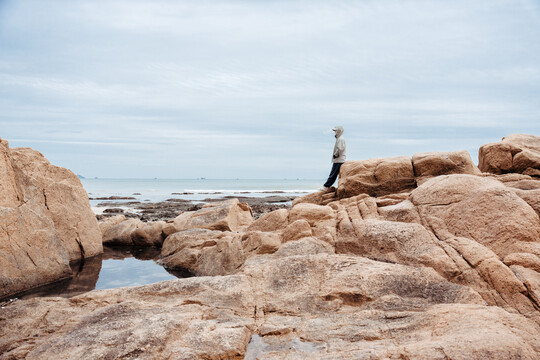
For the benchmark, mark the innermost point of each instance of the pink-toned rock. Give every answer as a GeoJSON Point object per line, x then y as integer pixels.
{"type": "Point", "coordinates": [203, 252]}
{"type": "Point", "coordinates": [293, 307]}
{"type": "Point", "coordinates": [528, 189]}
{"type": "Point", "coordinates": [481, 209]}
{"type": "Point", "coordinates": [376, 177]}
{"type": "Point", "coordinates": [273, 221]}
{"type": "Point", "coordinates": [305, 246]}
{"type": "Point", "coordinates": [322, 220]}
{"type": "Point", "coordinates": [195, 318]}
{"type": "Point", "coordinates": [516, 153]}
{"type": "Point", "coordinates": [258, 242]}
{"type": "Point", "coordinates": [397, 242]}
{"type": "Point", "coordinates": [229, 215]}
{"type": "Point", "coordinates": [62, 193]}
{"type": "Point", "coordinates": [443, 163]}
{"type": "Point", "coordinates": [403, 211]}
{"type": "Point", "coordinates": [296, 230]}
{"type": "Point", "coordinates": [10, 194]}
{"type": "Point", "coordinates": [31, 252]}
{"type": "Point", "coordinates": [527, 260]}
{"type": "Point", "coordinates": [109, 222]}
{"type": "Point", "coordinates": [132, 232]}
{"type": "Point", "coordinates": [45, 221]}
{"type": "Point", "coordinates": [318, 197]}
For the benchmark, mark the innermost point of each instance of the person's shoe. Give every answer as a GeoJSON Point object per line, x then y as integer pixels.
{"type": "Point", "coordinates": [324, 188]}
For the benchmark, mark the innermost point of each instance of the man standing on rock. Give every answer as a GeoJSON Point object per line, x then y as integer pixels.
{"type": "Point", "coordinates": [338, 157]}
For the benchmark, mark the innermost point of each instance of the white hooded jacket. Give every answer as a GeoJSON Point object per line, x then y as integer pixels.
{"type": "Point", "coordinates": [340, 148]}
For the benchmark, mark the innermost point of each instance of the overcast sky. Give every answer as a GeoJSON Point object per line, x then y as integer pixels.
{"type": "Point", "coordinates": [251, 89]}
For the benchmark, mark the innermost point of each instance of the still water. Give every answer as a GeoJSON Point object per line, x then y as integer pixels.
{"type": "Point", "coordinates": [116, 267]}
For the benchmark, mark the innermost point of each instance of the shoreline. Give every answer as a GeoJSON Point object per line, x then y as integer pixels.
{"type": "Point", "coordinates": [170, 208]}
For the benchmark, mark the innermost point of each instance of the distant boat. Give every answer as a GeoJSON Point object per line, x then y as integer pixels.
{"type": "Point", "coordinates": [80, 176]}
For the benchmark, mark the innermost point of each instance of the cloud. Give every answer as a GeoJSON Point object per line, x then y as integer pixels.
{"type": "Point", "coordinates": [202, 84]}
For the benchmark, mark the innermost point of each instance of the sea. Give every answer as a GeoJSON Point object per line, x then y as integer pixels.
{"type": "Point", "coordinates": [196, 190]}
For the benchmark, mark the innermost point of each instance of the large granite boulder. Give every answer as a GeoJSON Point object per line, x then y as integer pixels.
{"type": "Point", "coordinates": [516, 153]}
{"type": "Point", "coordinates": [481, 209]}
{"type": "Point", "coordinates": [296, 307]}
{"type": "Point", "coordinates": [203, 252]}
{"type": "Point", "coordinates": [119, 230]}
{"type": "Point", "coordinates": [228, 215]}
{"type": "Point", "coordinates": [376, 177]}
{"type": "Point", "coordinates": [61, 191]}
{"type": "Point", "coordinates": [45, 218]}
{"type": "Point", "coordinates": [431, 164]}
{"type": "Point", "coordinates": [196, 318]}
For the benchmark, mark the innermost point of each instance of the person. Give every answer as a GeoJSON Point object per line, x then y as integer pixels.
{"type": "Point", "coordinates": [338, 157]}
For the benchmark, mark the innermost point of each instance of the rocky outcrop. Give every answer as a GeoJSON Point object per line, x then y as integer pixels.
{"type": "Point", "coordinates": [516, 153]}
{"type": "Point", "coordinates": [319, 306]}
{"type": "Point", "coordinates": [45, 220]}
{"type": "Point", "coordinates": [431, 164]}
{"type": "Point", "coordinates": [229, 215]}
{"type": "Point", "coordinates": [376, 177]}
{"type": "Point", "coordinates": [387, 176]}
{"type": "Point", "coordinates": [119, 230]}
{"type": "Point", "coordinates": [203, 252]}
{"type": "Point", "coordinates": [61, 191]}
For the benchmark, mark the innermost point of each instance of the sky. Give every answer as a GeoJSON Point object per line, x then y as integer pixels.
{"type": "Point", "coordinates": [252, 88]}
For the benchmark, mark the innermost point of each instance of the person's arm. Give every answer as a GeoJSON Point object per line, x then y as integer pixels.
{"type": "Point", "coordinates": [340, 147]}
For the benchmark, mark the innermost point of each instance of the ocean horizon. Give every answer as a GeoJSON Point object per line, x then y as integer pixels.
{"type": "Point", "coordinates": [156, 189]}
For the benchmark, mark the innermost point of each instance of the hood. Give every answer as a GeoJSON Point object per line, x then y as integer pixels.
{"type": "Point", "coordinates": [339, 130]}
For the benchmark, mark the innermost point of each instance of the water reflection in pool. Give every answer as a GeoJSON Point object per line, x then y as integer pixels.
{"type": "Point", "coordinates": [116, 267]}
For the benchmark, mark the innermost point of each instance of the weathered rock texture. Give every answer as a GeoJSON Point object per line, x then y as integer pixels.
{"type": "Point", "coordinates": [376, 177]}
{"type": "Point", "coordinates": [119, 230]}
{"type": "Point", "coordinates": [45, 220]}
{"type": "Point", "coordinates": [317, 307]}
{"type": "Point", "coordinates": [516, 153]}
{"type": "Point", "coordinates": [229, 215]}
{"type": "Point", "coordinates": [422, 258]}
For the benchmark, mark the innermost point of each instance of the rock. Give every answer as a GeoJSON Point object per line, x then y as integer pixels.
{"type": "Point", "coordinates": [318, 197]}
{"type": "Point", "coordinates": [204, 252]}
{"type": "Point", "coordinates": [397, 242]}
{"type": "Point", "coordinates": [31, 252]}
{"type": "Point", "coordinates": [321, 283]}
{"type": "Point", "coordinates": [316, 306]}
{"type": "Point", "coordinates": [322, 220]}
{"type": "Point", "coordinates": [530, 261]}
{"type": "Point", "coordinates": [376, 177]}
{"type": "Point", "coordinates": [65, 199]}
{"type": "Point", "coordinates": [403, 211]}
{"type": "Point", "coordinates": [516, 153]}
{"type": "Point", "coordinates": [109, 222]}
{"type": "Point", "coordinates": [151, 234]}
{"type": "Point", "coordinates": [305, 246]}
{"type": "Point", "coordinates": [10, 192]}
{"type": "Point", "coordinates": [195, 318]}
{"type": "Point", "coordinates": [132, 232]}
{"type": "Point", "coordinates": [527, 189]}
{"type": "Point", "coordinates": [481, 209]}
{"type": "Point", "coordinates": [258, 242]}
{"type": "Point", "coordinates": [272, 221]}
{"type": "Point", "coordinates": [45, 221]}
{"type": "Point", "coordinates": [483, 222]}
{"type": "Point", "coordinates": [296, 230]}
{"type": "Point", "coordinates": [431, 164]}
{"type": "Point", "coordinates": [229, 215]}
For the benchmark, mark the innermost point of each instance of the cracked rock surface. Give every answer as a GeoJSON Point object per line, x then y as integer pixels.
{"type": "Point", "coordinates": [45, 220]}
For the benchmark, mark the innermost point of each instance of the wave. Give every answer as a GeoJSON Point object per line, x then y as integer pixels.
{"type": "Point", "coordinates": [241, 191]}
